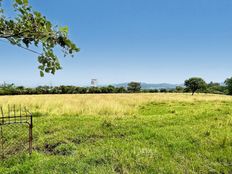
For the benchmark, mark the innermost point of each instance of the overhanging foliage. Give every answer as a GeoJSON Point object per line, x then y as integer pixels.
{"type": "Point", "coordinates": [30, 28]}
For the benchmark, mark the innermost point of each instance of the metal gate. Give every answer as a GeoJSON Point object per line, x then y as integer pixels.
{"type": "Point", "coordinates": [15, 131]}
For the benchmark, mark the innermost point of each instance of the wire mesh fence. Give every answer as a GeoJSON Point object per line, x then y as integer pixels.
{"type": "Point", "coordinates": [15, 131]}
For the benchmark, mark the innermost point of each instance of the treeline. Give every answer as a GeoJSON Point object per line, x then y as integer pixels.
{"type": "Point", "coordinates": [191, 85]}
{"type": "Point", "coordinates": [11, 89]}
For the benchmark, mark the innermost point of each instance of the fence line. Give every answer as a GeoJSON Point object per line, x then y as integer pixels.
{"type": "Point", "coordinates": [16, 124]}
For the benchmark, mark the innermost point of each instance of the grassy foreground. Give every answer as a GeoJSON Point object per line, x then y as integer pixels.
{"type": "Point", "coordinates": [127, 133]}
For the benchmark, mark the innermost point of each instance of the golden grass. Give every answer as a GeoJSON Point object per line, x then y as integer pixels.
{"type": "Point", "coordinates": [104, 104]}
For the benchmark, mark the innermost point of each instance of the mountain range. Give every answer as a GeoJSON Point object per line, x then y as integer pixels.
{"type": "Point", "coordinates": [151, 85]}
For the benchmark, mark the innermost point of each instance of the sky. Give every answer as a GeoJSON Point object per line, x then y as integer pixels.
{"type": "Point", "coordinates": [153, 41]}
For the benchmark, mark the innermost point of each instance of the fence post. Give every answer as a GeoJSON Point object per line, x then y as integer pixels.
{"type": "Point", "coordinates": [30, 136]}
{"type": "Point", "coordinates": [2, 143]}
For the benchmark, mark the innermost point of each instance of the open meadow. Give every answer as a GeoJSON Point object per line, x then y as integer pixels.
{"type": "Point", "coordinates": [126, 133]}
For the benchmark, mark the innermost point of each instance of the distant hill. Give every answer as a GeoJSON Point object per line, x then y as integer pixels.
{"type": "Point", "coordinates": [151, 85]}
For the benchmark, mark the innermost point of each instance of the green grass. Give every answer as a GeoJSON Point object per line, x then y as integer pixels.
{"type": "Point", "coordinates": [168, 136]}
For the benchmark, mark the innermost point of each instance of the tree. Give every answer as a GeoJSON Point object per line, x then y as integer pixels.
{"type": "Point", "coordinates": [134, 87]}
{"type": "Point", "coordinates": [163, 90]}
{"type": "Point", "coordinates": [120, 90]}
{"type": "Point", "coordinates": [194, 84]}
{"type": "Point", "coordinates": [228, 83]}
{"type": "Point", "coordinates": [29, 29]}
{"type": "Point", "coordinates": [216, 88]}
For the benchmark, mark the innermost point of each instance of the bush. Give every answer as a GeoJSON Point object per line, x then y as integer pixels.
{"type": "Point", "coordinates": [163, 90]}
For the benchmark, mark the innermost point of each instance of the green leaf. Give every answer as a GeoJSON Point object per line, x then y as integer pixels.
{"type": "Point", "coordinates": [64, 29]}
{"type": "Point", "coordinates": [41, 73]}
{"type": "Point", "coordinates": [37, 14]}
{"type": "Point", "coordinates": [25, 2]}
{"type": "Point", "coordinates": [19, 2]}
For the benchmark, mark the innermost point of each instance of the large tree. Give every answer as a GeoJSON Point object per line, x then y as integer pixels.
{"type": "Point", "coordinates": [29, 28]}
{"type": "Point", "coordinates": [134, 87]}
{"type": "Point", "coordinates": [228, 83]}
{"type": "Point", "coordinates": [194, 84]}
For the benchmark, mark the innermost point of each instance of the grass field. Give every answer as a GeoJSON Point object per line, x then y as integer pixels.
{"type": "Point", "coordinates": [127, 133]}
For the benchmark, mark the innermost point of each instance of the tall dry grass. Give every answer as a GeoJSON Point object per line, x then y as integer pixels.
{"type": "Point", "coordinates": [95, 104]}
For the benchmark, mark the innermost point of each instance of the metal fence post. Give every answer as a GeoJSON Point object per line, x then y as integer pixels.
{"type": "Point", "coordinates": [30, 135]}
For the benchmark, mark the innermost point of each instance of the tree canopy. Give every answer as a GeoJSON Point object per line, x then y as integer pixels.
{"type": "Point", "coordinates": [194, 84]}
{"type": "Point", "coordinates": [29, 28]}
{"type": "Point", "coordinates": [134, 87]}
{"type": "Point", "coordinates": [228, 83]}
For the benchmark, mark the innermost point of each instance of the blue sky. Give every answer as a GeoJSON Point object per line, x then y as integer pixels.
{"type": "Point", "coordinates": [151, 41]}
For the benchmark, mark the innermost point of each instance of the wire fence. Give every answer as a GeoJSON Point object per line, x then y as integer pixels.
{"type": "Point", "coordinates": [15, 131]}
